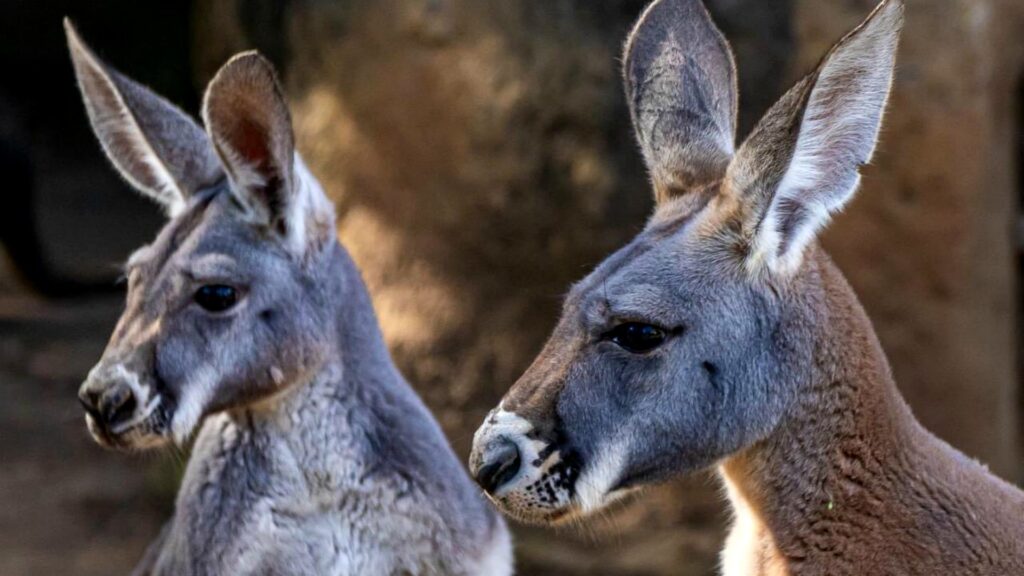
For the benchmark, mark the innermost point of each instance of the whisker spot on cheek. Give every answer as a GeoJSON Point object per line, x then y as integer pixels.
{"type": "Point", "coordinates": [712, 372]}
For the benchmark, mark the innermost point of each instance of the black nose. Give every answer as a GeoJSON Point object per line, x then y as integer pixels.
{"type": "Point", "coordinates": [109, 405]}
{"type": "Point", "coordinates": [499, 464]}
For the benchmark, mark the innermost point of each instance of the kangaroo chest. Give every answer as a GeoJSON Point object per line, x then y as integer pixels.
{"type": "Point", "coordinates": [243, 510]}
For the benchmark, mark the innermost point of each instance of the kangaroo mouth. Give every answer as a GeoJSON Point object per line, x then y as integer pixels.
{"type": "Point", "coordinates": [146, 430]}
{"type": "Point", "coordinates": [568, 486]}
{"type": "Point", "coordinates": [544, 493]}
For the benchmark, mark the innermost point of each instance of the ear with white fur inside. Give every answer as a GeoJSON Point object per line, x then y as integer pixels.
{"type": "Point", "coordinates": [802, 163]}
{"type": "Point", "coordinates": [250, 125]}
{"type": "Point", "coordinates": [158, 149]}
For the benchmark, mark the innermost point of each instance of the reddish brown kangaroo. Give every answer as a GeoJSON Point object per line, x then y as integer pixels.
{"type": "Point", "coordinates": [724, 336]}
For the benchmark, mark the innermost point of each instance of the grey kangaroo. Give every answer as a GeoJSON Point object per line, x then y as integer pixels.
{"type": "Point", "coordinates": [724, 336]}
{"type": "Point", "coordinates": [246, 319]}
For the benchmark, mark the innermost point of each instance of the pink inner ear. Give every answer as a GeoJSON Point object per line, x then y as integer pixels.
{"type": "Point", "coordinates": [250, 139]}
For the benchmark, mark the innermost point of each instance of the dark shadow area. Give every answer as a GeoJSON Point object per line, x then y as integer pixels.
{"type": "Point", "coordinates": [761, 34]}
{"type": "Point", "coordinates": [68, 220]}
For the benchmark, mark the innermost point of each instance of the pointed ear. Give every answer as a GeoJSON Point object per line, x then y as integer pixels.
{"type": "Point", "coordinates": [153, 144]}
{"type": "Point", "coordinates": [250, 125]}
{"type": "Point", "coordinates": [681, 88]}
{"type": "Point", "coordinates": [802, 162]}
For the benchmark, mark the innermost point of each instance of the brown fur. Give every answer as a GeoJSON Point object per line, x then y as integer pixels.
{"type": "Point", "coordinates": [852, 484]}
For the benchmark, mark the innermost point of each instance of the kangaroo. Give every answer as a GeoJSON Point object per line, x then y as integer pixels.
{"type": "Point", "coordinates": [724, 336]}
{"type": "Point", "coordinates": [248, 320]}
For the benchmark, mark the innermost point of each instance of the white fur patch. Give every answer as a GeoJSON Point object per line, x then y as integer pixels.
{"type": "Point", "coordinates": [310, 210]}
{"type": "Point", "coordinates": [742, 551]}
{"type": "Point", "coordinates": [595, 483]}
{"type": "Point", "coordinates": [195, 396]}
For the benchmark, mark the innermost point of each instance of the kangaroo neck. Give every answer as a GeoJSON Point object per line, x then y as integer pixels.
{"type": "Point", "coordinates": [842, 451]}
{"type": "Point", "coordinates": [351, 380]}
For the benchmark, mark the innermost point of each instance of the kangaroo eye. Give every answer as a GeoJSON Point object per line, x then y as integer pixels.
{"type": "Point", "coordinates": [636, 337]}
{"type": "Point", "coordinates": [216, 297]}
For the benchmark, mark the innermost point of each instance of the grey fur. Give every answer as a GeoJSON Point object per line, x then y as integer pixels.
{"type": "Point", "coordinates": [681, 88]}
{"type": "Point", "coordinates": [771, 370]}
{"type": "Point", "coordinates": [313, 455]}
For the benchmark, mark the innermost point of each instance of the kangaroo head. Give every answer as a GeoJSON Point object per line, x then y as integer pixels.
{"type": "Point", "coordinates": [688, 344]}
{"type": "Point", "coordinates": [222, 307]}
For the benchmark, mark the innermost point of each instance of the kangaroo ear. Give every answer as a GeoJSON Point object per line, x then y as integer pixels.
{"type": "Point", "coordinates": [251, 129]}
{"type": "Point", "coordinates": [681, 88]}
{"type": "Point", "coordinates": [156, 147]}
{"type": "Point", "coordinates": [802, 162]}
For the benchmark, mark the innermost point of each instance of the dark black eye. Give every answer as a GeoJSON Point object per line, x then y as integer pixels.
{"type": "Point", "coordinates": [216, 297]}
{"type": "Point", "coordinates": [636, 337]}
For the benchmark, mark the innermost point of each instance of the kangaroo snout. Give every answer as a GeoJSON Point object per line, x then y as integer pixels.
{"type": "Point", "coordinates": [109, 403]}
{"type": "Point", "coordinates": [496, 464]}
{"type": "Point", "coordinates": [122, 412]}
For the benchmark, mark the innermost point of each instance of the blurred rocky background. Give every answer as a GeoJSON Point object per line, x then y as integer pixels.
{"type": "Point", "coordinates": [481, 158]}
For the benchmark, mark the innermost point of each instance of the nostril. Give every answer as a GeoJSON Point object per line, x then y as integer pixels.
{"type": "Point", "coordinates": [117, 405]}
{"type": "Point", "coordinates": [501, 464]}
{"type": "Point", "coordinates": [124, 411]}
